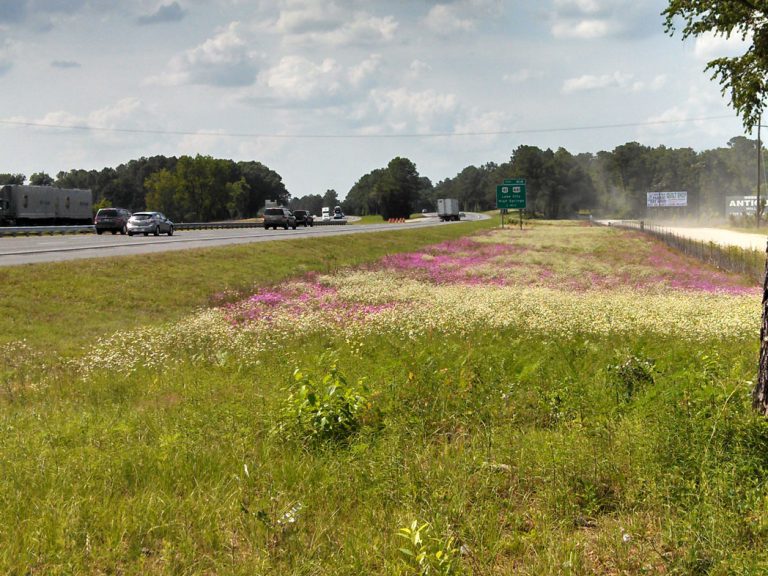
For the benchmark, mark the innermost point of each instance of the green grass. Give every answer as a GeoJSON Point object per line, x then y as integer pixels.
{"type": "Point", "coordinates": [536, 455]}
{"type": "Point", "coordinates": [370, 219]}
{"type": "Point", "coordinates": [59, 307]}
{"type": "Point", "coordinates": [522, 450]}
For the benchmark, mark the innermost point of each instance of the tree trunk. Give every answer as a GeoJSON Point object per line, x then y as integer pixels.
{"type": "Point", "coordinates": [760, 394]}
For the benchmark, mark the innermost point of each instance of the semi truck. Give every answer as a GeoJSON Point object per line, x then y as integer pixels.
{"type": "Point", "coordinates": [22, 205]}
{"type": "Point", "coordinates": [448, 209]}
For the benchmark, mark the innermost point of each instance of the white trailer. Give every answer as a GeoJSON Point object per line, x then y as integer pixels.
{"type": "Point", "coordinates": [40, 205]}
{"type": "Point", "coordinates": [448, 209]}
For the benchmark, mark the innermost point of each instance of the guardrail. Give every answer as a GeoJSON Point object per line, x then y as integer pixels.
{"type": "Point", "coordinates": [40, 230]}
{"type": "Point", "coordinates": [90, 229]}
{"type": "Point", "coordinates": [751, 263]}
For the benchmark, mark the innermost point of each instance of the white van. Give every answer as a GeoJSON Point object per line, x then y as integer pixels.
{"type": "Point", "coordinates": [326, 213]}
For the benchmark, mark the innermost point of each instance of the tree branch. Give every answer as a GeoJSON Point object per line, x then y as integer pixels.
{"type": "Point", "coordinates": [750, 5]}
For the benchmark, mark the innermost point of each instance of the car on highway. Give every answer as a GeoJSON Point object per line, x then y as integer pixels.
{"type": "Point", "coordinates": [111, 220]}
{"type": "Point", "coordinates": [274, 217]}
{"type": "Point", "coordinates": [304, 218]}
{"type": "Point", "coordinates": [149, 223]}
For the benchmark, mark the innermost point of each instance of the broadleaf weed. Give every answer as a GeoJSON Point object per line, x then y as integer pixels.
{"type": "Point", "coordinates": [329, 409]}
{"type": "Point", "coordinates": [425, 554]}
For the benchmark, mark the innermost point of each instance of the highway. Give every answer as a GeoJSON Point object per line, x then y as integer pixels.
{"type": "Point", "coordinates": [57, 248]}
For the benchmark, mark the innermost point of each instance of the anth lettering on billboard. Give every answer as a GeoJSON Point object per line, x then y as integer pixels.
{"type": "Point", "coordinates": [741, 205]}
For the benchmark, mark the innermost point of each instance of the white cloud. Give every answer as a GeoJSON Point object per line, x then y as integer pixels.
{"type": "Point", "coordinates": [591, 19]}
{"type": "Point", "coordinates": [590, 82]}
{"type": "Point", "coordinates": [451, 17]}
{"type": "Point", "coordinates": [58, 118]}
{"type": "Point", "coordinates": [585, 29]}
{"type": "Point", "coordinates": [226, 59]}
{"type": "Point", "coordinates": [418, 68]}
{"type": "Point", "coordinates": [703, 101]}
{"type": "Point", "coordinates": [113, 116]}
{"type": "Point", "coordinates": [123, 113]}
{"type": "Point", "coordinates": [479, 121]}
{"type": "Point", "coordinates": [362, 72]}
{"type": "Point", "coordinates": [298, 78]}
{"type": "Point", "coordinates": [659, 82]}
{"type": "Point", "coordinates": [447, 19]}
{"type": "Point", "coordinates": [298, 81]}
{"type": "Point", "coordinates": [709, 46]}
{"type": "Point", "coordinates": [579, 6]}
{"type": "Point", "coordinates": [363, 29]}
{"type": "Point", "coordinates": [204, 142]}
{"type": "Point", "coordinates": [401, 110]}
{"type": "Point", "coordinates": [313, 23]}
{"type": "Point", "coordinates": [309, 18]}
{"type": "Point", "coordinates": [522, 75]}
{"type": "Point", "coordinates": [172, 12]}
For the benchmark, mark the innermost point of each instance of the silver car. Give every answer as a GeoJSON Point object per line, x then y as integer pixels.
{"type": "Point", "coordinates": [149, 223]}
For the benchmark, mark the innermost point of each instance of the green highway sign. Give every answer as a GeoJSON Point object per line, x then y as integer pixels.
{"type": "Point", "coordinates": [511, 194]}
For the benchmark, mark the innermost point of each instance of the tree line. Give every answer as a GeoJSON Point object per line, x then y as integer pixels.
{"type": "Point", "coordinates": [186, 189]}
{"type": "Point", "coordinates": [615, 183]}
{"type": "Point", "coordinates": [559, 184]}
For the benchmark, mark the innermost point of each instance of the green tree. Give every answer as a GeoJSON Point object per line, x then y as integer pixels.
{"type": "Point", "coordinates": [41, 179]}
{"type": "Point", "coordinates": [311, 202]}
{"type": "Point", "coordinates": [12, 178]}
{"type": "Point", "coordinates": [361, 198]}
{"type": "Point", "coordinates": [237, 193]}
{"type": "Point", "coordinates": [263, 184]}
{"type": "Point", "coordinates": [474, 187]}
{"type": "Point", "coordinates": [398, 189]}
{"type": "Point", "coordinates": [201, 193]}
{"type": "Point", "coordinates": [331, 199]}
{"type": "Point", "coordinates": [741, 77]}
{"type": "Point", "coordinates": [163, 193]}
{"type": "Point", "coordinates": [633, 168]}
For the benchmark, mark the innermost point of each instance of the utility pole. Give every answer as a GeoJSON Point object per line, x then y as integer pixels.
{"type": "Point", "coordinates": [759, 169]}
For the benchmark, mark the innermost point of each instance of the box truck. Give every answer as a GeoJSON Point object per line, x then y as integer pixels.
{"type": "Point", "coordinates": [448, 209]}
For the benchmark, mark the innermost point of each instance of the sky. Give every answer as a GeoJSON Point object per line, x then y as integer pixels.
{"type": "Point", "coordinates": [324, 92]}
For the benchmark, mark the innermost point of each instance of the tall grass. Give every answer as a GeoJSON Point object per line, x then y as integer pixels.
{"type": "Point", "coordinates": [526, 452]}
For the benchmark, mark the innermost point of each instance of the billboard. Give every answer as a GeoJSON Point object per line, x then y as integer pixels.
{"type": "Point", "coordinates": [740, 205]}
{"type": "Point", "coordinates": [667, 199]}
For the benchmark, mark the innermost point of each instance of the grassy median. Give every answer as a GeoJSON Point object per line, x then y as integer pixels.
{"type": "Point", "coordinates": [62, 306]}
{"type": "Point", "coordinates": [559, 400]}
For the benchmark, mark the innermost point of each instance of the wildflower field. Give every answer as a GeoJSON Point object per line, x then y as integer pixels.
{"type": "Point", "coordinates": [563, 399]}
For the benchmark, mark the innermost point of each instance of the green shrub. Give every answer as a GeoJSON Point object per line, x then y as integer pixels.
{"type": "Point", "coordinates": [424, 554]}
{"type": "Point", "coordinates": [631, 376]}
{"type": "Point", "coordinates": [329, 409]}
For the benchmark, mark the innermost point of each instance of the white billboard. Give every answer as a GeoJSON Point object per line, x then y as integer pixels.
{"type": "Point", "coordinates": [667, 199]}
{"type": "Point", "coordinates": [741, 205]}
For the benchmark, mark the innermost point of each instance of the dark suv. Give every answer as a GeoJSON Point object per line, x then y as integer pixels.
{"type": "Point", "coordinates": [303, 217]}
{"type": "Point", "coordinates": [274, 217]}
{"type": "Point", "coordinates": [112, 219]}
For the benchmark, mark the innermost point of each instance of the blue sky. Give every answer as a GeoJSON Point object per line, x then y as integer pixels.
{"type": "Point", "coordinates": [326, 91]}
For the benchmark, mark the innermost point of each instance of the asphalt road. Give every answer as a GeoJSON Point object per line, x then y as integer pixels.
{"type": "Point", "coordinates": [36, 249]}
